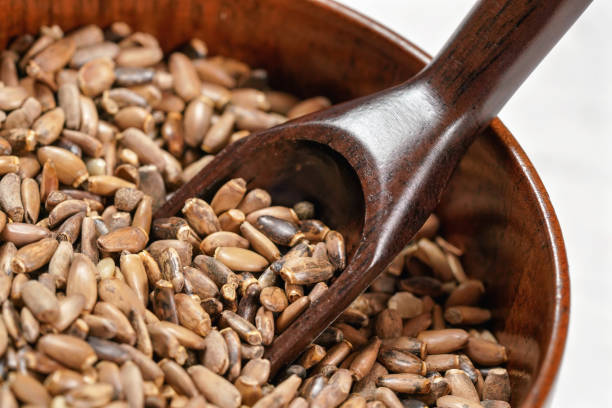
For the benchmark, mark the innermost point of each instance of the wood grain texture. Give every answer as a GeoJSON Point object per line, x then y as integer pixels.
{"type": "Point", "coordinates": [354, 167]}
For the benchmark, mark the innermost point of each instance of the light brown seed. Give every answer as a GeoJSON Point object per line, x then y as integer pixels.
{"type": "Point", "coordinates": [82, 280]}
{"type": "Point", "coordinates": [9, 164]}
{"type": "Point", "coordinates": [497, 385]}
{"type": "Point", "coordinates": [282, 394]}
{"type": "Point", "coordinates": [96, 76]}
{"type": "Point", "coordinates": [70, 307]}
{"type": "Point", "coordinates": [119, 294]}
{"type": "Point", "coordinates": [148, 152]}
{"type": "Point", "coordinates": [442, 362]}
{"type": "Point", "coordinates": [217, 136]}
{"type": "Point", "coordinates": [222, 239]}
{"type": "Point", "coordinates": [11, 97]}
{"type": "Point", "coordinates": [33, 256]}
{"type": "Point", "coordinates": [443, 341]}
{"type": "Point", "coordinates": [184, 76]}
{"type": "Point", "coordinates": [405, 304]}
{"type": "Point", "coordinates": [132, 239]}
{"type": "Point", "coordinates": [100, 327]}
{"type": "Point", "coordinates": [49, 126]}
{"type": "Point", "coordinates": [22, 234]}
{"type": "Point", "coordinates": [177, 377]}
{"type": "Point", "coordinates": [135, 275]}
{"type": "Point", "coordinates": [466, 315]}
{"type": "Point", "coordinates": [365, 359]}
{"type": "Point", "coordinates": [308, 106]}
{"type": "Point", "coordinates": [138, 56]}
{"type": "Point", "coordinates": [29, 390]}
{"type": "Point", "coordinates": [229, 195]}
{"type": "Point", "coordinates": [241, 259]}
{"type": "Point", "coordinates": [68, 350]}
{"type": "Point", "coordinates": [10, 197]}
{"type": "Point", "coordinates": [452, 401]}
{"type": "Point", "coordinates": [70, 169]}
{"type": "Point", "coordinates": [461, 385]}
{"type": "Point", "coordinates": [107, 185]}
{"type": "Point", "coordinates": [291, 313]}
{"type": "Point", "coordinates": [192, 315]}
{"type": "Point", "coordinates": [197, 120]}
{"type": "Point", "coordinates": [485, 352]}
{"type": "Point", "coordinates": [132, 383]}
{"type": "Point", "coordinates": [216, 354]}
{"type": "Point", "coordinates": [41, 301]}
{"type": "Point", "coordinates": [125, 331]}
{"type": "Point", "coordinates": [215, 388]}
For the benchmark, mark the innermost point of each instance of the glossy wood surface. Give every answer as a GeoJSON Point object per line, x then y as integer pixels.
{"type": "Point", "coordinates": [495, 204]}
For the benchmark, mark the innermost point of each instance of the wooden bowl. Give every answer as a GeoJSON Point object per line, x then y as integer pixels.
{"type": "Point", "coordinates": [496, 206]}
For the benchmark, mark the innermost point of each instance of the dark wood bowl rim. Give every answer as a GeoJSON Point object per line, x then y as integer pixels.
{"type": "Point", "coordinates": [552, 356]}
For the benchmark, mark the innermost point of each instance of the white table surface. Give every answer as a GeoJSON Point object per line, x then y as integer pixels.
{"type": "Point", "coordinates": [561, 116]}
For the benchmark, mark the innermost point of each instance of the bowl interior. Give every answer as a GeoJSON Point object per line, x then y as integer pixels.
{"type": "Point", "coordinates": [495, 206]}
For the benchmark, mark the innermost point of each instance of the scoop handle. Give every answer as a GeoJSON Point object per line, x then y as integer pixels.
{"type": "Point", "coordinates": [494, 50]}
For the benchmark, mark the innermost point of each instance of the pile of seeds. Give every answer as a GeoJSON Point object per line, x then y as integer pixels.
{"type": "Point", "coordinates": [103, 306]}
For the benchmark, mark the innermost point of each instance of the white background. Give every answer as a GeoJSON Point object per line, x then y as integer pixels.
{"type": "Point", "coordinates": [561, 117]}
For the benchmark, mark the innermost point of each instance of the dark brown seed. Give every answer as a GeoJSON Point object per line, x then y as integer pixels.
{"type": "Point", "coordinates": [201, 216]}
{"type": "Point", "coordinates": [247, 331]}
{"type": "Point", "coordinates": [278, 230]}
{"type": "Point", "coordinates": [405, 383]}
{"type": "Point", "coordinates": [163, 301]}
{"type": "Point", "coordinates": [306, 271]}
{"type": "Point", "coordinates": [402, 362]}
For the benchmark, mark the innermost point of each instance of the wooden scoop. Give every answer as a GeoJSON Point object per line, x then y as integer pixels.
{"type": "Point", "coordinates": [377, 166]}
